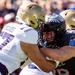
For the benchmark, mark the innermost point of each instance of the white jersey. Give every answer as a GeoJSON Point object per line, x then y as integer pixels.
{"type": "Point", "coordinates": [11, 54]}
{"type": "Point", "coordinates": [34, 70]}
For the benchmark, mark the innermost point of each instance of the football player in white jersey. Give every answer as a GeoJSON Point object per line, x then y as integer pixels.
{"type": "Point", "coordinates": [18, 41]}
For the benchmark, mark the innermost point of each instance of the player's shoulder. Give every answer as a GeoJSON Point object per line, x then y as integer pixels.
{"type": "Point", "coordinates": [68, 35]}
{"type": "Point", "coordinates": [31, 31]}
{"type": "Point", "coordinates": [28, 29]}
{"type": "Point", "coordinates": [70, 31]}
{"type": "Point", "coordinates": [11, 23]}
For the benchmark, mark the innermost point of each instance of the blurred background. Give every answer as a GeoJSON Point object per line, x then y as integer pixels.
{"type": "Point", "coordinates": [8, 8]}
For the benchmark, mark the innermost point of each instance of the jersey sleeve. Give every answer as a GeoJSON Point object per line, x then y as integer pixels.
{"type": "Point", "coordinates": [30, 37]}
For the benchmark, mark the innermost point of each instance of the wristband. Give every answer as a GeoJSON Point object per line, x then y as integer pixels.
{"type": "Point", "coordinates": [57, 63]}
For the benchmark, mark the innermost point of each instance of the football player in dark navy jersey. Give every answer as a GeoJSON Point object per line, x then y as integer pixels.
{"type": "Point", "coordinates": [65, 38]}
{"type": "Point", "coordinates": [67, 67]}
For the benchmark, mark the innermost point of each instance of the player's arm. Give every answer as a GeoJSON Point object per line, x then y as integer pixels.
{"type": "Point", "coordinates": [37, 57]}
{"type": "Point", "coordinates": [61, 54]}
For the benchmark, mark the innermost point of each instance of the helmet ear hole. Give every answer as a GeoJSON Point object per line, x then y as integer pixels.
{"type": "Point", "coordinates": [30, 7]}
{"type": "Point", "coordinates": [32, 22]}
{"type": "Point", "coordinates": [72, 27]}
{"type": "Point", "coordinates": [65, 14]}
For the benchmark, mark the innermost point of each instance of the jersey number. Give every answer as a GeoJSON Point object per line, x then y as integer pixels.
{"type": "Point", "coordinates": [61, 72]}
{"type": "Point", "coordinates": [7, 38]}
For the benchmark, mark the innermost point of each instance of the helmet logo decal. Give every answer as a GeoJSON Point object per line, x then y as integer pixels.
{"type": "Point", "coordinates": [52, 18]}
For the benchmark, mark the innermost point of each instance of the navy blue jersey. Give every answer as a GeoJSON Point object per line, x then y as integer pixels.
{"type": "Point", "coordinates": [67, 67]}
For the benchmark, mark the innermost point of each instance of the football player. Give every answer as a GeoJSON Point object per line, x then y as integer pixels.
{"type": "Point", "coordinates": [18, 40]}
{"type": "Point", "coordinates": [67, 67]}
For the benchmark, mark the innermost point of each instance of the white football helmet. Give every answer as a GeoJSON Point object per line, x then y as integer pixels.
{"type": "Point", "coordinates": [32, 14]}
{"type": "Point", "coordinates": [69, 16]}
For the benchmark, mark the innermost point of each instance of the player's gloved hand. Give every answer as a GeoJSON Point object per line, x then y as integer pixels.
{"type": "Point", "coordinates": [72, 42]}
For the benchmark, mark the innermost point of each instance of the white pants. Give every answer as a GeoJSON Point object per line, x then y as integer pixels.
{"type": "Point", "coordinates": [33, 71]}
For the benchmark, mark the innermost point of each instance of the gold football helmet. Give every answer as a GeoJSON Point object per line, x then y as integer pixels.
{"type": "Point", "coordinates": [69, 16]}
{"type": "Point", "coordinates": [32, 14]}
